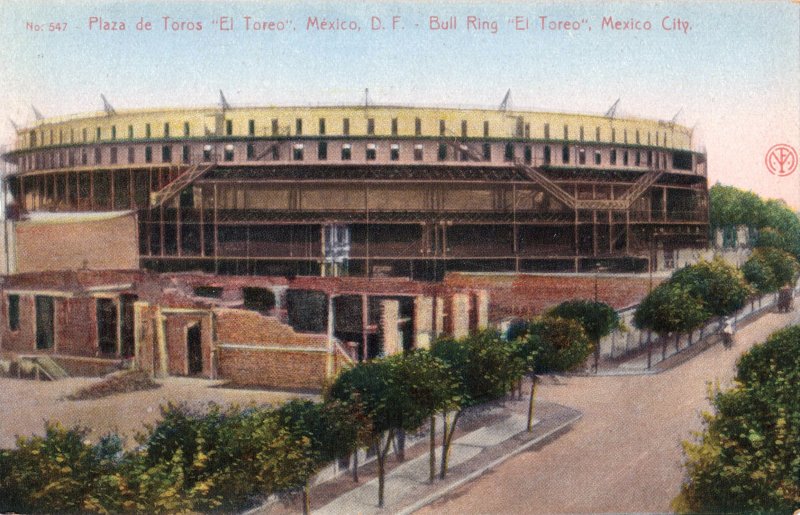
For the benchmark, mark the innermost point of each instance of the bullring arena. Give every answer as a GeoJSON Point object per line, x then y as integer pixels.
{"type": "Point", "coordinates": [147, 224]}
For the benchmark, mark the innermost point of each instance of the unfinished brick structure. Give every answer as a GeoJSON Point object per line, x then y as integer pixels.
{"type": "Point", "coordinates": [264, 331]}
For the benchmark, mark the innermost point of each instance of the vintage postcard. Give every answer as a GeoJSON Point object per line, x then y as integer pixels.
{"type": "Point", "coordinates": [399, 256]}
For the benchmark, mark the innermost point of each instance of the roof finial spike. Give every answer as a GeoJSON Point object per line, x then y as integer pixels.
{"type": "Point", "coordinates": [107, 107]}
{"type": "Point", "coordinates": [366, 97]}
{"type": "Point", "coordinates": [506, 101]}
{"type": "Point", "coordinates": [613, 109]}
{"type": "Point", "coordinates": [223, 102]}
{"type": "Point", "coordinates": [14, 124]}
{"type": "Point", "coordinates": [675, 118]}
{"type": "Point", "coordinates": [36, 113]}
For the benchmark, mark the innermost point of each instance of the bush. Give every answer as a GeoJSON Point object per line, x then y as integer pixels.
{"type": "Point", "coordinates": [559, 344]}
{"type": "Point", "coordinates": [747, 459]}
{"type": "Point", "coordinates": [769, 269]}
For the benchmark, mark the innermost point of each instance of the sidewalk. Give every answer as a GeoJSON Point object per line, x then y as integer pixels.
{"type": "Point", "coordinates": [473, 452]}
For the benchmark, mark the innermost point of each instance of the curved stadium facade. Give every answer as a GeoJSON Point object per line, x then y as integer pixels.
{"type": "Point", "coordinates": [371, 190]}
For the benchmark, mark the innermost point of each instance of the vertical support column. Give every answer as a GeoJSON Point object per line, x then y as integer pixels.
{"type": "Point", "coordinates": [161, 344]}
{"type": "Point", "coordinates": [329, 361]}
{"type": "Point", "coordinates": [664, 203]}
{"type": "Point", "coordinates": [390, 317]}
{"type": "Point", "coordinates": [459, 313]}
{"type": "Point", "coordinates": [216, 230]}
{"type": "Point", "coordinates": [482, 309]}
{"type": "Point", "coordinates": [364, 324]}
{"type": "Point", "coordinates": [438, 316]}
{"type": "Point", "coordinates": [423, 322]}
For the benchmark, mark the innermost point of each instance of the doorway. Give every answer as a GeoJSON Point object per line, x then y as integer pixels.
{"type": "Point", "coordinates": [45, 322]}
{"type": "Point", "coordinates": [194, 349]}
{"type": "Point", "coordinates": [107, 326]}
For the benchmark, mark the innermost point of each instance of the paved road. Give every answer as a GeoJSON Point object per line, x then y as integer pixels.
{"type": "Point", "coordinates": [625, 454]}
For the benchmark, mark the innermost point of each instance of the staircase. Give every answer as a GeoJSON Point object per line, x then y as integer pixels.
{"type": "Point", "coordinates": [191, 174]}
{"type": "Point", "coordinates": [641, 185]}
{"type": "Point", "coordinates": [41, 367]}
{"type": "Point", "coordinates": [549, 186]}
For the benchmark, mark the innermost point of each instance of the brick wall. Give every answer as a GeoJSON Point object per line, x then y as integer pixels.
{"type": "Point", "coordinates": [24, 338]}
{"type": "Point", "coordinates": [261, 366]}
{"type": "Point", "coordinates": [529, 295]}
{"type": "Point", "coordinates": [76, 326]}
{"type": "Point", "coordinates": [100, 245]}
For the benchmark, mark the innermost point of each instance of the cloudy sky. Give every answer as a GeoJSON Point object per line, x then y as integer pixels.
{"type": "Point", "coordinates": [728, 69]}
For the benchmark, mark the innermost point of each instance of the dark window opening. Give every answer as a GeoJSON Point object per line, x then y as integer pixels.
{"type": "Point", "coordinates": [13, 312]}
{"type": "Point", "coordinates": [166, 154]}
{"type": "Point", "coordinates": [186, 157]}
{"type": "Point", "coordinates": [98, 156]}
{"type": "Point", "coordinates": [371, 152]}
{"type": "Point", "coordinates": [113, 155]}
{"type": "Point", "coordinates": [613, 156]}
{"type": "Point", "coordinates": [148, 154]}
{"type": "Point", "coordinates": [581, 156]}
{"type": "Point", "coordinates": [528, 155]}
{"type": "Point", "coordinates": [487, 151]}
{"type": "Point", "coordinates": [417, 127]}
{"type": "Point", "coordinates": [130, 132]}
{"type": "Point", "coordinates": [547, 156]}
{"type": "Point", "coordinates": [508, 154]}
{"type": "Point", "coordinates": [166, 130]}
{"type": "Point", "coordinates": [298, 126]}
{"type": "Point", "coordinates": [228, 153]}
{"type": "Point", "coordinates": [229, 127]}
{"type": "Point", "coordinates": [441, 155]}
{"type": "Point", "coordinates": [107, 326]}
{"type": "Point", "coordinates": [297, 152]}
{"type": "Point", "coordinates": [131, 155]}
{"type": "Point", "coordinates": [394, 152]}
{"type": "Point", "coordinates": [251, 127]}
{"type": "Point", "coordinates": [147, 130]}
{"type": "Point", "coordinates": [485, 129]}
{"type": "Point", "coordinates": [322, 126]}
{"type": "Point", "coordinates": [207, 151]}
{"type": "Point", "coordinates": [682, 160]}
{"type": "Point", "coordinates": [394, 126]}
{"type": "Point", "coordinates": [274, 126]}
{"type": "Point", "coordinates": [442, 128]}
{"type": "Point", "coordinates": [547, 131]}
{"type": "Point", "coordinates": [625, 158]}
{"type": "Point", "coordinates": [97, 136]}
{"type": "Point", "coordinates": [258, 299]}
{"type": "Point", "coordinates": [346, 126]}
{"type": "Point", "coordinates": [598, 159]}
{"type": "Point", "coordinates": [346, 152]}
{"type": "Point", "coordinates": [371, 126]}
{"type": "Point", "coordinates": [418, 152]}
{"type": "Point", "coordinates": [638, 158]}
{"type": "Point", "coordinates": [185, 128]}
{"type": "Point", "coordinates": [463, 128]}
{"type": "Point", "coordinates": [322, 150]}
{"type": "Point", "coordinates": [581, 133]}
{"type": "Point", "coordinates": [566, 132]}
{"type": "Point", "coordinates": [565, 154]}
{"type": "Point", "coordinates": [113, 133]}
{"type": "Point", "coordinates": [251, 152]}
{"type": "Point", "coordinates": [307, 310]}
{"type": "Point", "coordinates": [45, 322]}
{"type": "Point", "coordinates": [211, 292]}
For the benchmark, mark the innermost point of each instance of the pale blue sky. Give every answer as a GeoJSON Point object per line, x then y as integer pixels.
{"type": "Point", "coordinates": [735, 74]}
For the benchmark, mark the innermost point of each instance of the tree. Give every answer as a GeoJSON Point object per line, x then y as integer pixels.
{"type": "Point", "coordinates": [485, 366]}
{"type": "Point", "coordinates": [398, 392]}
{"type": "Point", "coordinates": [553, 344]}
{"type": "Point", "coordinates": [597, 318]}
{"type": "Point", "coordinates": [719, 285]}
{"type": "Point", "coordinates": [333, 430]}
{"type": "Point", "coordinates": [747, 458]}
{"type": "Point", "coordinates": [670, 308]}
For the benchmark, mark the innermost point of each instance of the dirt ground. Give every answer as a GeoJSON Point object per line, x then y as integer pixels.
{"type": "Point", "coordinates": [25, 405]}
{"type": "Point", "coordinates": [625, 454]}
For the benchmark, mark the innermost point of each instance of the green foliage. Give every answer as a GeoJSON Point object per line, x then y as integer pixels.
{"type": "Point", "coordinates": [719, 285]}
{"type": "Point", "coordinates": [597, 318]}
{"type": "Point", "coordinates": [769, 269]}
{"type": "Point", "coordinates": [559, 344]}
{"type": "Point", "coordinates": [484, 364]}
{"type": "Point", "coordinates": [59, 473]}
{"type": "Point", "coordinates": [778, 225]}
{"type": "Point", "coordinates": [670, 308]}
{"type": "Point", "coordinates": [747, 459]}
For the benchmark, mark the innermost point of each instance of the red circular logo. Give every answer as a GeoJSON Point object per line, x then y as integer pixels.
{"type": "Point", "coordinates": [781, 160]}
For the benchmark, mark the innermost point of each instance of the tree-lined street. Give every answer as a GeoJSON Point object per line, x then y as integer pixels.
{"type": "Point", "coordinates": [625, 454]}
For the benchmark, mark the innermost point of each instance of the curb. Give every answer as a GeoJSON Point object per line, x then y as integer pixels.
{"type": "Point", "coordinates": [556, 431]}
